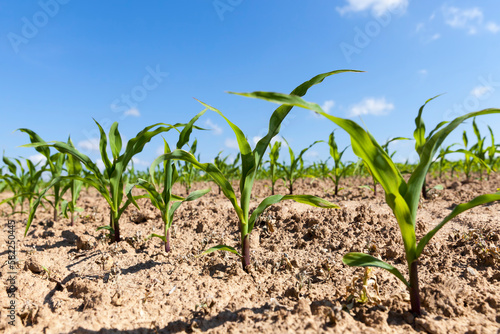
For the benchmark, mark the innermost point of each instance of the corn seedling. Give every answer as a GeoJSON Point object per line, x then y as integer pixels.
{"type": "Point", "coordinates": [110, 183]}
{"type": "Point", "coordinates": [188, 173]}
{"type": "Point", "coordinates": [230, 170]}
{"type": "Point", "coordinates": [295, 170]}
{"type": "Point", "coordinates": [274, 153]}
{"type": "Point", "coordinates": [55, 163]}
{"type": "Point", "coordinates": [165, 201]}
{"type": "Point", "coordinates": [251, 161]}
{"type": "Point", "coordinates": [493, 157]}
{"type": "Point", "coordinates": [339, 169]}
{"type": "Point", "coordinates": [470, 158]}
{"type": "Point", "coordinates": [401, 196]}
{"type": "Point", "coordinates": [24, 184]}
{"type": "Point", "coordinates": [73, 167]}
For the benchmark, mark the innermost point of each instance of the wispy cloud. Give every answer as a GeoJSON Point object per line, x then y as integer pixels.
{"type": "Point", "coordinates": [371, 106]}
{"type": "Point", "coordinates": [132, 112]}
{"type": "Point", "coordinates": [423, 72]}
{"type": "Point", "coordinates": [140, 162]}
{"type": "Point", "coordinates": [217, 130]}
{"type": "Point", "coordinates": [89, 145]}
{"type": "Point", "coordinates": [492, 27]}
{"type": "Point", "coordinates": [471, 20]}
{"type": "Point", "coordinates": [37, 158]}
{"type": "Point", "coordinates": [426, 31]}
{"type": "Point", "coordinates": [100, 164]}
{"type": "Point", "coordinates": [480, 91]}
{"type": "Point", "coordinates": [231, 143]}
{"type": "Point", "coordinates": [377, 7]}
{"type": "Point", "coordinates": [327, 106]}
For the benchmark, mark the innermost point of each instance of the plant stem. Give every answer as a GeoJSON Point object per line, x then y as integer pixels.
{"type": "Point", "coordinates": [245, 259]}
{"type": "Point", "coordinates": [116, 227]}
{"type": "Point", "coordinates": [424, 190]}
{"type": "Point", "coordinates": [55, 214]}
{"type": "Point", "coordinates": [414, 290]}
{"type": "Point", "coordinates": [167, 243]}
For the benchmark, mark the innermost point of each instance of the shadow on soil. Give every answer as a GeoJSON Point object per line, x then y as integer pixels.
{"type": "Point", "coordinates": [199, 322]}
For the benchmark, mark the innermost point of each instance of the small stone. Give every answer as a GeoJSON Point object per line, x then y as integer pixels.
{"type": "Point", "coordinates": [33, 265]}
{"type": "Point", "coordinates": [85, 242]}
{"type": "Point", "coordinates": [471, 271]}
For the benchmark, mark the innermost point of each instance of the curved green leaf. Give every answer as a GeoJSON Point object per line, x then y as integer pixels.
{"type": "Point", "coordinates": [304, 199]}
{"type": "Point", "coordinates": [364, 260]}
{"type": "Point", "coordinates": [377, 160]}
{"type": "Point", "coordinates": [115, 140]}
{"type": "Point", "coordinates": [428, 151]}
{"type": "Point", "coordinates": [208, 168]}
{"type": "Point", "coordinates": [154, 235]}
{"type": "Point", "coordinates": [221, 248]}
{"type": "Point", "coordinates": [480, 200]}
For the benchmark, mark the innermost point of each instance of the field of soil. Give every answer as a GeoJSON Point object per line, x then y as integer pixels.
{"type": "Point", "coordinates": [70, 279]}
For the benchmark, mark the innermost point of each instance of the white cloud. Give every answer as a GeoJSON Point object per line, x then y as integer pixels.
{"type": "Point", "coordinates": [371, 106]}
{"type": "Point", "coordinates": [132, 112]}
{"type": "Point", "coordinates": [435, 36]}
{"type": "Point", "coordinates": [311, 154]}
{"type": "Point", "coordinates": [468, 19]}
{"type": "Point", "coordinates": [480, 91]}
{"type": "Point", "coordinates": [214, 127]}
{"type": "Point", "coordinates": [139, 162]}
{"type": "Point", "coordinates": [377, 7]}
{"type": "Point", "coordinates": [160, 150]}
{"type": "Point", "coordinates": [463, 18]}
{"type": "Point", "coordinates": [327, 106]}
{"type": "Point", "coordinates": [100, 164]}
{"type": "Point", "coordinates": [231, 143]}
{"type": "Point", "coordinates": [89, 145]}
{"type": "Point", "coordinates": [37, 158]}
{"type": "Point", "coordinates": [492, 27]}
{"type": "Point", "coordinates": [423, 72]}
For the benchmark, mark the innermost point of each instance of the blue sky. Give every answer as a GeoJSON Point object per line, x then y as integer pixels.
{"type": "Point", "coordinates": [65, 62]}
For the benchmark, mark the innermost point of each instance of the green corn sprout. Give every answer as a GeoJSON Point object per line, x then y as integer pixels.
{"type": "Point", "coordinates": [230, 170]}
{"type": "Point", "coordinates": [442, 162]}
{"type": "Point", "coordinates": [165, 201]}
{"type": "Point", "coordinates": [320, 169]}
{"type": "Point", "coordinates": [55, 163]}
{"type": "Point", "coordinates": [295, 170]}
{"type": "Point", "coordinates": [401, 196]}
{"type": "Point", "coordinates": [188, 173]}
{"type": "Point", "coordinates": [470, 157]}
{"type": "Point", "coordinates": [274, 153]}
{"type": "Point", "coordinates": [339, 169]}
{"type": "Point", "coordinates": [109, 183]}
{"type": "Point", "coordinates": [73, 167]}
{"type": "Point", "coordinates": [251, 161]}
{"type": "Point", "coordinates": [24, 184]}
{"type": "Point", "coordinates": [493, 159]}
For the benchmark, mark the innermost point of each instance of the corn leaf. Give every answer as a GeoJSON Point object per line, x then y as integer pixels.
{"type": "Point", "coordinates": [305, 199]}
{"type": "Point", "coordinates": [364, 260]}
{"type": "Point", "coordinates": [373, 155]}
{"type": "Point", "coordinates": [480, 200]}
{"type": "Point", "coordinates": [208, 168]}
{"type": "Point", "coordinates": [221, 248]}
{"type": "Point", "coordinates": [428, 151]}
{"type": "Point", "coordinates": [115, 140]}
